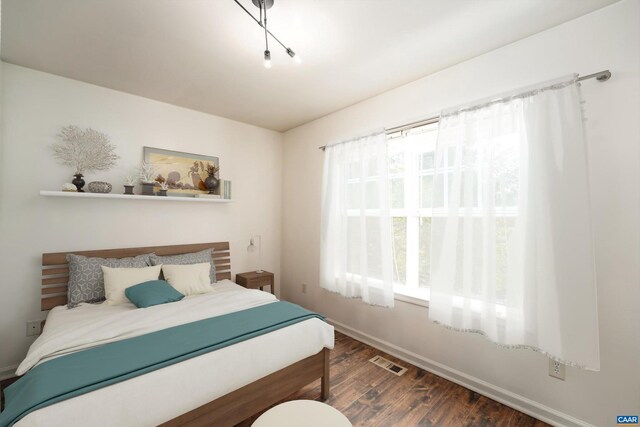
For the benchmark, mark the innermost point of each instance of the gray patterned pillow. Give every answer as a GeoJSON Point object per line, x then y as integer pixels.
{"type": "Point", "coordinates": [86, 282]}
{"type": "Point", "coordinates": [187, 259]}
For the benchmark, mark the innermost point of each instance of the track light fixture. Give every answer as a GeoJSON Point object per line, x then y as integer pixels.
{"type": "Point", "coordinates": [263, 5]}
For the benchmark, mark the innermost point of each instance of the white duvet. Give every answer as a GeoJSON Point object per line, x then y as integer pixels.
{"type": "Point", "coordinates": [161, 395]}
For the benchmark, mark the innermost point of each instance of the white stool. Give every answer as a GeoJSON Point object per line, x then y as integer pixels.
{"type": "Point", "coordinates": [302, 413]}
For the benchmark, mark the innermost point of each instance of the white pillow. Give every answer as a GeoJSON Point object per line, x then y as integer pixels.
{"type": "Point", "coordinates": [188, 279]}
{"type": "Point", "coordinates": [116, 280]}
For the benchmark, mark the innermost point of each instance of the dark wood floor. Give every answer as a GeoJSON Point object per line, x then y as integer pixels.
{"type": "Point", "coordinates": [370, 396]}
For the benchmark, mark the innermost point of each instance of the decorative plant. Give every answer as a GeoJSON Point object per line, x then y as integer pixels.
{"type": "Point", "coordinates": [86, 150]}
{"type": "Point", "coordinates": [146, 173]}
{"type": "Point", "coordinates": [195, 169]}
{"type": "Point", "coordinates": [163, 185]}
{"type": "Point", "coordinates": [199, 166]}
{"type": "Point", "coordinates": [211, 169]}
{"type": "Point", "coordinates": [130, 179]}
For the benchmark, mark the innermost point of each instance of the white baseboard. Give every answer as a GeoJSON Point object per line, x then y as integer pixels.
{"type": "Point", "coordinates": [513, 400]}
{"type": "Point", "coordinates": [8, 371]}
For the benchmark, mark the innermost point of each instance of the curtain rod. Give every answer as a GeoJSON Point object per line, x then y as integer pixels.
{"type": "Point", "coordinates": [601, 76]}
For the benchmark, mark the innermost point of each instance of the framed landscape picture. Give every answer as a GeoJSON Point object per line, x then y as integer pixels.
{"type": "Point", "coordinates": [184, 172]}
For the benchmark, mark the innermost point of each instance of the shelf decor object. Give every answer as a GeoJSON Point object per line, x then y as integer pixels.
{"type": "Point", "coordinates": [226, 189]}
{"type": "Point", "coordinates": [86, 150]}
{"type": "Point", "coordinates": [67, 186]}
{"type": "Point", "coordinates": [163, 188]}
{"type": "Point", "coordinates": [147, 175]}
{"type": "Point", "coordinates": [99, 187]}
{"type": "Point", "coordinates": [184, 173]}
{"type": "Point", "coordinates": [130, 181]}
{"type": "Point", "coordinates": [78, 182]}
{"type": "Point", "coordinates": [211, 182]}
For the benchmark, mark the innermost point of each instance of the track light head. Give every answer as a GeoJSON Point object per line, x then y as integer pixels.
{"type": "Point", "coordinates": [267, 59]}
{"type": "Point", "coordinates": [295, 57]}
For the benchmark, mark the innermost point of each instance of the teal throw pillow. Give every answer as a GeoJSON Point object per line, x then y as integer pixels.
{"type": "Point", "coordinates": [151, 293]}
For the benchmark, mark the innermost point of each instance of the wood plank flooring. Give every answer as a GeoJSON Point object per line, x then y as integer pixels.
{"type": "Point", "coordinates": [371, 396]}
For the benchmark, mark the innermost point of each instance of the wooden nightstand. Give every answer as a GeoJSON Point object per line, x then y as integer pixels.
{"type": "Point", "coordinates": [253, 280]}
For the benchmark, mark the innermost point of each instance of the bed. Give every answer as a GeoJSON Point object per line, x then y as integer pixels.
{"type": "Point", "coordinates": [221, 387]}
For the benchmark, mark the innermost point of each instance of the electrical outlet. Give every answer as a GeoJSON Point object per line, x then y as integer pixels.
{"type": "Point", "coordinates": [556, 369]}
{"type": "Point", "coordinates": [33, 327]}
{"type": "Point", "coordinates": [304, 288]}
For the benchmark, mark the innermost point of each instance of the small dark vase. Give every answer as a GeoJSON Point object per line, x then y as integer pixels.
{"type": "Point", "coordinates": [78, 182]}
{"type": "Point", "coordinates": [162, 193]}
{"type": "Point", "coordinates": [147, 189]}
{"type": "Point", "coordinates": [128, 189]}
{"type": "Point", "coordinates": [211, 183]}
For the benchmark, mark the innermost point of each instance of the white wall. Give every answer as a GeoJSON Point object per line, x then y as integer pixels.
{"type": "Point", "coordinates": [606, 39]}
{"type": "Point", "coordinates": [37, 105]}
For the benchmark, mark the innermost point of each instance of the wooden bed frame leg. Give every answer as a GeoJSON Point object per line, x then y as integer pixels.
{"type": "Point", "coordinates": [325, 381]}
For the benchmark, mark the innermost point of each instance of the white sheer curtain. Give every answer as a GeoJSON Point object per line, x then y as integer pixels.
{"type": "Point", "coordinates": [511, 240]}
{"type": "Point", "coordinates": [356, 245]}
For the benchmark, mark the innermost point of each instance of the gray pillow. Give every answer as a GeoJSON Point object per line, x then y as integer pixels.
{"type": "Point", "coordinates": [187, 259]}
{"type": "Point", "coordinates": [86, 282]}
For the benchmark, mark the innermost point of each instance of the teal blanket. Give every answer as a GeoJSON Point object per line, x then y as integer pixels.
{"type": "Point", "coordinates": [87, 370]}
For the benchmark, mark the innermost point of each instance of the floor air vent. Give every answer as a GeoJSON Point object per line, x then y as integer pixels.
{"type": "Point", "coordinates": [388, 365]}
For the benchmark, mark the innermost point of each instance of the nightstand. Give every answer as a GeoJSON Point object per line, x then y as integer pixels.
{"type": "Point", "coordinates": [253, 280]}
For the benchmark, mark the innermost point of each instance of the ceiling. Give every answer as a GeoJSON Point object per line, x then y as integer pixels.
{"type": "Point", "coordinates": [207, 54]}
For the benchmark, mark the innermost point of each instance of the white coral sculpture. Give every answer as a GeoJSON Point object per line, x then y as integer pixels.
{"type": "Point", "coordinates": [164, 185]}
{"type": "Point", "coordinates": [147, 172]}
{"type": "Point", "coordinates": [86, 150]}
{"type": "Point", "coordinates": [131, 179]}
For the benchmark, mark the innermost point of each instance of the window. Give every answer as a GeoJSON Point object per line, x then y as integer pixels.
{"type": "Point", "coordinates": [411, 173]}
{"type": "Point", "coordinates": [485, 215]}
{"type": "Point", "coordinates": [415, 204]}
{"type": "Point", "coordinates": [418, 197]}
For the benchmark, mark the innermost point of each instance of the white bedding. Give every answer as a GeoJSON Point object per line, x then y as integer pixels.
{"type": "Point", "coordinates": [161, 395]}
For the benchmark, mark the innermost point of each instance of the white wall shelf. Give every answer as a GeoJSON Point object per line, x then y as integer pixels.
{"type": "Point", "coordinates": [131, 197]}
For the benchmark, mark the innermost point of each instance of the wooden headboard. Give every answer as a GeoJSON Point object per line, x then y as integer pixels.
{"type": "Point", "coordinates": [55, 270]}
